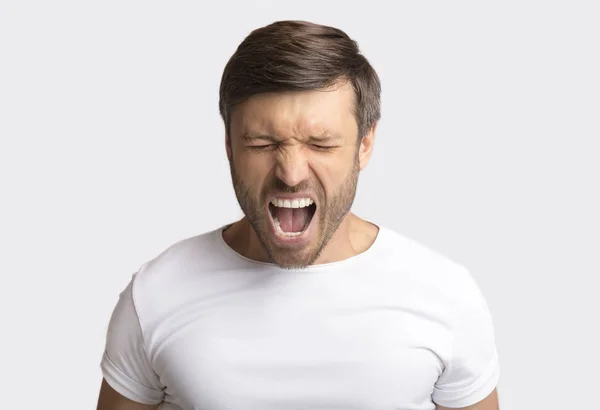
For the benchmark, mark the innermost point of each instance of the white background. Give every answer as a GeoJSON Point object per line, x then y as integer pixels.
{"type": "Point", "coordinates": [112, 149]}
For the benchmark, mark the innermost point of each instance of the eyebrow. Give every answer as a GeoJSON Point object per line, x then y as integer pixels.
{"type": "Point", "coordinates": [253, 136]}
{"type": "Point", "coordinates": [324, 137]}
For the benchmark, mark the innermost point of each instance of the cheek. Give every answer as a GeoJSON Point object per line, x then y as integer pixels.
{"type": "Point", "coordinates": [253, 169]}
{"type": "Point", "coordinates": [332, 171]}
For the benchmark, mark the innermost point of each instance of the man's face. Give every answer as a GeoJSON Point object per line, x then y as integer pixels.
{"type": "Point", "coordinates": [295, 159]}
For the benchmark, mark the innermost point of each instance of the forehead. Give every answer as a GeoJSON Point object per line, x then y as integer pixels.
{"type": "Point", "coordinates": [297, 114]}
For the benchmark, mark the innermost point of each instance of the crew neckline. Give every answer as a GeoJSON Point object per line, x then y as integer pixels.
{"type": "Point", "coordinates": [311, 268]}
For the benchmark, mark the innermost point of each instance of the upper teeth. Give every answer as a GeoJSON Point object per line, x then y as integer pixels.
{"type": "Point", "coordinates": [294, 203]}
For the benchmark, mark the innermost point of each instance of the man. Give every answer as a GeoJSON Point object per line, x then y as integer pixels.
{"type": "Point", "coordinates": [301, 304]}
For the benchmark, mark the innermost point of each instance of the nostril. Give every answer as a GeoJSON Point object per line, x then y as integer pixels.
{"type": "Point", "coordinates": [292, 176]}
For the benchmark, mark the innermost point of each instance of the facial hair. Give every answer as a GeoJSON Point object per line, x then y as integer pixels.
{"type": "Point", "coordinates": [331, 210]}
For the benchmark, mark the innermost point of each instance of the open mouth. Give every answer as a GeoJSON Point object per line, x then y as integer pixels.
{"type": "Point", "coordinates": [292, 217]}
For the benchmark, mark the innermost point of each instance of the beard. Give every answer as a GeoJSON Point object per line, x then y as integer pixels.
{"type": "Point", "coordinates": [330, 211]}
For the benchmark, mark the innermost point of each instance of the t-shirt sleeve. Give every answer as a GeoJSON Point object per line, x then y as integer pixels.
{"type": "Point", "coordinates": [472, 371]}
{"type": "Point", "coordinates": [125, 365]}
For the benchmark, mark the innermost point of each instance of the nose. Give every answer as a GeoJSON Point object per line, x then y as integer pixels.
{"type": "Point", "coordinates": [292, 166]}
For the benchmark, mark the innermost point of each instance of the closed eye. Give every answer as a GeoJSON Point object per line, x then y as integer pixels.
{"type": "Point", "coordinates": [323, 147]}
{"type": "Point", "coordinates": [262, 147]}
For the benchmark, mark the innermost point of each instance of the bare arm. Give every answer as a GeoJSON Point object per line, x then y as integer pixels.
{"type": "Point", "coordinates": [489, 403]}
{"type": "Point", "coordinates": [110, 399]}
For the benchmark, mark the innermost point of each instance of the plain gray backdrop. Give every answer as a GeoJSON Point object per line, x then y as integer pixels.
{"type": "Point", "coordinates": [112, 149]}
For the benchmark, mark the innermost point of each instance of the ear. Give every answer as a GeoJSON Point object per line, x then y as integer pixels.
{"type": "Point", "coordinates": [365, 149]}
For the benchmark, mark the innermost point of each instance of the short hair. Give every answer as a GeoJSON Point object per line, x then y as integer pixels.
{"type": "Point", "coordinates": [294, 55]}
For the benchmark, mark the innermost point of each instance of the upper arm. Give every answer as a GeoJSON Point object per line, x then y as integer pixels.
{"type": "Point", "coordinates": [489, 403]}
{"type": "Point", "coordinates": [126, 366]}
{"type": "Point", "coordinates": [471, 369]}
{"type": "Point", "coordinates": [110, 399]}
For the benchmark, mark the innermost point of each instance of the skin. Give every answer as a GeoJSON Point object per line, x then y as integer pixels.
{"type": "Point", "coordinates": [299, 142]}
{"type": "Point", "coordinates": [303, 142]}
{"type": "Point", "coordinates": [489, 403]}
{"type": "Point", "coordinates": [110, 399]}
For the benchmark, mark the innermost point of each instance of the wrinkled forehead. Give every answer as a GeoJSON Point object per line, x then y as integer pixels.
{"type": "Point", "coordinates": [297, 114]}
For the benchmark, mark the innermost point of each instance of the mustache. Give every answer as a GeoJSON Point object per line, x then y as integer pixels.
{"type": "Point", "coordinates": [278, 187]}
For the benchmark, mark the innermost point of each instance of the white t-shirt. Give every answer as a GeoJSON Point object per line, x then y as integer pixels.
{"type": "Point", "coordinates": [396, 327]}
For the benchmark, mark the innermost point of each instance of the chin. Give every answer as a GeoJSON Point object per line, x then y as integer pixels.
{"type": "Point", "coordinates": [290, 250]}
{"type": "Point", "coordinates": [292, 260]}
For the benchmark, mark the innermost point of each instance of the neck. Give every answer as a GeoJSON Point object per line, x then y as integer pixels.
{"type": "Point", "coordinates": [353, 236]}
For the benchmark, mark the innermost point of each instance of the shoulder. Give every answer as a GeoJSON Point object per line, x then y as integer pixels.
{"type": "Point", "coordinates": [413, 255]}
{"type": "Point", "coordinates": [444, 279]}
{"type": "Point", "coordinates": [178, 272]}
{"type": "Point", "coordinates": [185, 257]}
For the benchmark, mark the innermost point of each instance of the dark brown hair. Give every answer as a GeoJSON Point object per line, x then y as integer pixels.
{"type": "Point", "coordinates": [295, 56]}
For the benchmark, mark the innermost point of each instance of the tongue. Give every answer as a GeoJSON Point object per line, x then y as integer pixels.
{"type": "Point", "coordinates": [292, 219]}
